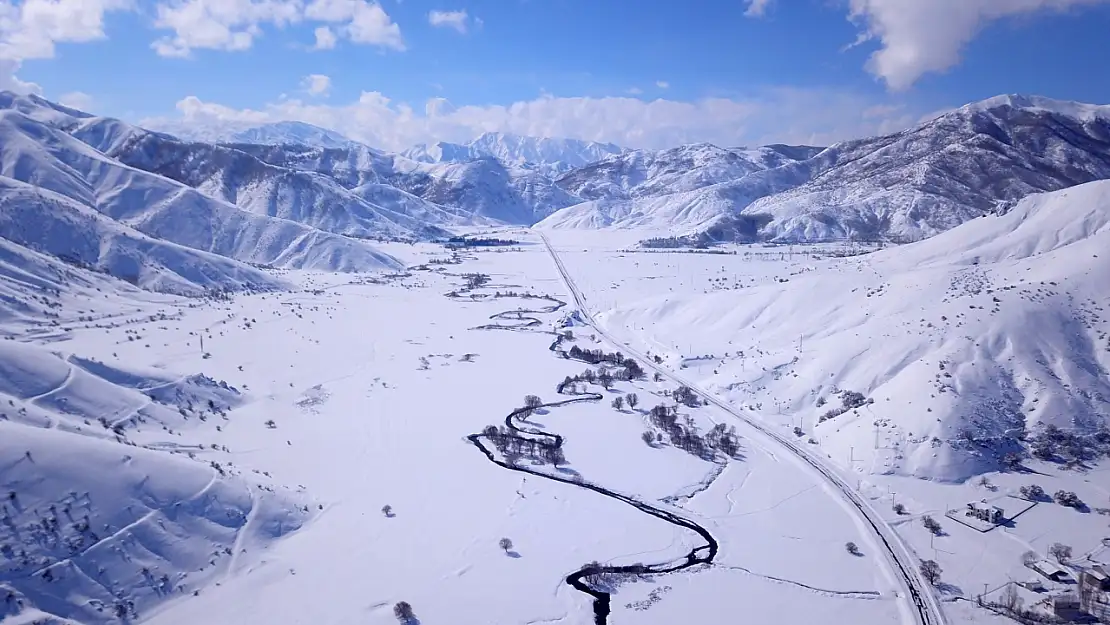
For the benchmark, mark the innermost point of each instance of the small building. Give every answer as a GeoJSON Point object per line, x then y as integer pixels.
{"type": "Point", "coordinates": [992, 514]}
{"type": "Point", "coordinates": [1097, 577]}
{"type": "Point", "coordinates": [1066, 607]}
{"type": "Point", "coordinates": [1033, 584]}
{"type": "Point", "coordinates": [1050, 570]}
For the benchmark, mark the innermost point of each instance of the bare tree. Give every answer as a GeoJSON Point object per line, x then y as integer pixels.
{"type": "Point", "coordinates": [1011, 600]}
{"type": "Point", "coordinates": [931, 524]}
{"type": "Point", "coordinates": [1029, 557]}
{"type": "Point", "coordinates": [605, 380]}
{"type": "Point", "coordinates": [899, 509]}
{"type": "Point", "coordinates": [648, 438]}
{"type": "Point", "coordinates": [387, 510]}
{"type": "Point", "coordinates": [403, 611]}
{"type": "Point", "coordinates": [505, 544]}
{"type": "Point", "coordinates": [632, 400]}
{"type": "Point", "coordinates": [852, 548]}
{"type": "Point", "coordinates": [531, 402]}
{"type": "Point", "coordinates": [618, 403]}
{"type": "Point", "coordinates": [1060, 551]}
{"type": "Point", "coordinates": [931, 571]}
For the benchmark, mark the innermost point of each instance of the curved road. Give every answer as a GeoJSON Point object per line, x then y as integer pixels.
{"type": "Point", "coordinates": [926, 609]}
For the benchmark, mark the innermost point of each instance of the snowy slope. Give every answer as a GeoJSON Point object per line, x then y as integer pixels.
{"type": "Point", "coordinates": [51, 223]}
{"type": "Point", "coordinates": [646, 173]}
{"type": "Point", "coordinates": [100, 530]}
{"type": "Point", "coordinates": [486, 187]}
{"type": "Point", "coordinates": [475, 192]}
{"type": "Point", "coordinates": [904, 186]}
{"type": "Point", "coordinates": [701, 209]}
{"type": "Point", "coordinates": [44, 155]}
{"type": "Point", "coordinates": [277, 133]}
{"type": "Point", "coordinates": [968, 342]}
{"type": "Point", "coordinates": [241, 179]}
{"type": "Point", "coordinates": [547, 155]}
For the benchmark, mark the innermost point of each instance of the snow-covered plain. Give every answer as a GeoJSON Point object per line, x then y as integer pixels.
{"type": "Point", "coordinates": [355, 392]}
{"type": "Point", "coordinates": [177, 460]}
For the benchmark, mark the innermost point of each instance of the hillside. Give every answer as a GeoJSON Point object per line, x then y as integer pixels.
{"type": "Point", "coordinates": [969, 343]}
{"type": "Point", "coordinates": [482, 191]}
{"type": "Point", "coordinates": [905, 186]}
{"type": "Point", "coordinates": [547, 155]}
{"type": "Point", "coordinates": [38, 150]}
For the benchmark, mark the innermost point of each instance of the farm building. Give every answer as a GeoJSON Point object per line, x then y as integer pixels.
{"type": "Point", "coordinates": [992, 514]}
{"type": "Point", "coordinates": [1097, 577]}
{"type": "Point", "coordinates": [1050, 570]}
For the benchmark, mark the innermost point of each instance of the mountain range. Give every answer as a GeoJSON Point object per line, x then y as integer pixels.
{"type": "Point", "coordinates": [192, 210]}
{"type": "Point", "coordinates": [904, 186]}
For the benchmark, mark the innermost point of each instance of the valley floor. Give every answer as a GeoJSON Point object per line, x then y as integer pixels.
{"type": "Point", "coordinates": [358, 391]}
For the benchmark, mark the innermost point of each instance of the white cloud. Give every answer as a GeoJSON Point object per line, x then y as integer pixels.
{"type": "Point", "coordinates": [10, 82]}
{"type": "Point", "coordinates": [362, 21]}
{"type": "Point", "coordinates": [218, 24]}
{"type": "Point", "coordinates": [449, 19]}
{"type": "Point", "coordinates": [234, 24]}
{"type": "Point", "coordinates": [77, 100]}
{"type": "Point", "coordinates": [316, 84]}
{"type": "Point", "coordinates": [325, 38]}
{"type": "Point", "coordinates": [757, 8]}
{"type": "Point", "coordinates": [371, 24]}
{"type": "Point", "coordinates": [662, 84]}
{"type": "Point", "coordinates": [922, 36]}
{"type": "Point", "coordinates": [634, 90]}
{"type": "Point", "coordinates": [777, 115]}
{"type": "Point", "coordinates": [30, 30]}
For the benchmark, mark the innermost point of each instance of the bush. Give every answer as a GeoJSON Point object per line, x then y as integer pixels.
{"type": "Point", "coordinates": [931, 524]}
{"type": "Point", "coordinates": [1032, 492]}
{"type": "Point", "coordinates": [899, 509]}
{"type": "Point", "coordinates": [1068, 498]}
{"type": "Point", "coordinates": [852, 548]}
{"type": "Point", "coordinates": [403, 611]}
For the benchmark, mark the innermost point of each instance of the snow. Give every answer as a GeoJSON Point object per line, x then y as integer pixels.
{"type": "Point", "coordinates": [549, 155]}
{"type": "Point", "coordinates": [53, 175]}
{"type": "Point", "coordinates": [905, 186]}
{"type": "Point", "coordinates": [234, 431]}
{"type": "Point", "coordinates": [359, 422]}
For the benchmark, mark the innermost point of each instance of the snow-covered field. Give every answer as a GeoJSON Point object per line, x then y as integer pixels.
{"type": "Point", "coordinates": [173, 460]}
{"type": "Point", "coordinates": [350, 393]}
{"type": "Point", "coordinates": [959, 347]}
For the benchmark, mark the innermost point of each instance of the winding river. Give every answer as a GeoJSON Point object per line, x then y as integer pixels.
{"type": "Point", "coordinates": [589, 578]}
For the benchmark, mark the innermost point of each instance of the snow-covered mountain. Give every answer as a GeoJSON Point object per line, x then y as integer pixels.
{"type": "Point", "coordinates": [647, 173]}
{"type": "Point", "coordinates": [240, 178]}
{"type": "Point", "coordinates": [64, 196]}
{"type": "Point", "coordinates": [970, 342]}
{"type": "Point", "coordinates": [481, 191]}
{"type": "Point", "coordinates": [277, 133]}
{"type": "Point", "coordinates": [905, 186]}
{"type": "Point", "coordinates": [546, 155]}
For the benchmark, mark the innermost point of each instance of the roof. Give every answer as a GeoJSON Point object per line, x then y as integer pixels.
{"type": "Point", "coordinates": [1098, 573]}
{"type": "Point", "coordinates": [1048, 567]}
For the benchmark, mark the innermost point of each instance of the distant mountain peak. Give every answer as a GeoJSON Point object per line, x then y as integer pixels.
{"type": "Point", "coordinates": [275, 133]}
{"type": "Point", "coordinates": [549, 155]}
{"type": "Point", "coordinates": [1069, 108]}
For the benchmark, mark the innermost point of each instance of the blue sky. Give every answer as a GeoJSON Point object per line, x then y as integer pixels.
{"type": "Point", "coordinates": [649, 73]}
